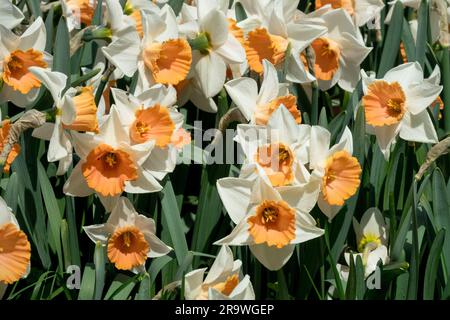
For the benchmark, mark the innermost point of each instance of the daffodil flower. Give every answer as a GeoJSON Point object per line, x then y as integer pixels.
{"type": "Point", "coordinates": [361, 11]}
{"type": "Point", "coordinates": [372, 239]}
{"type": "Point", "coordinates": [337, 169]}
{"type": "Point", "coordinates": [258, 107]}
{"type": "Point", "coordinates": [15, 249]}
{"type": "Point", "coordinates": [279, 150]}
{"type": "Point", "coordinates": [109, 164]}
{"type": "Point", "coordinates": [397, 105]}
{"type": "Point", "coordinates": [11, 15]}
{"type": "Point", "coordinates": [152, 116]}
{"type": "Point", "coordinates": [270, 221]}
{"type": "Point", "coordinates": [17, 55]}
{"type": "Point", "coordinates": [339, 53]}
{"type": "Point", "coordinates": [224, 281]}
{"type": "Point", "coordinates": [130, 238]}
{"type": "Point", "coordinates": [214, 46]}
{"type": "Point", "coordinates": [74, 110]}
{"type": "Point", "coordinates": [78, 12]}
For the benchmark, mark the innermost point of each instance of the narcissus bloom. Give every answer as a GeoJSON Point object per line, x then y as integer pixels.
{"type": "Point", "coordinates": [372, 239]}
{"type": "Point", "coordinates": [75, 109]}
{"type": "Point", "coordinates": [4, 135]}
{"type": "Point", "coordinates": [214, 44]}
{"type": "Point", "coordinates": [338, 170]}
{"type": "Point", "coordinates": [223, 282]}
{"type": "Point", "coordinates": [11, 15]}
{"type": "Point", "coordinates": [274, 34]}
{"type": "Point", "coordinates": [339, 53]}
{"type": "Point", "coordinates": [110, 164]}
{"type": "Point", "coordinates": [152, 117]}
{"type": "Point", "coordinates": [15, 249]}
{"type": "Point", "coordinates": [397, 105]}
{"type": "Point", "coordinates": [78, 12]}
{"type": "Point", "coordinates": [17, 55]}
{"type": "Point", "coordinates": [270, 221]}
{"type": "Point", "coordinates": [361, 11]}
{"type": "Point", "coordinates": [279, 150]}
{"type": "Point", "coordinates": [258, 107]}
{"type": "Point", "coordinates": [130, 237]}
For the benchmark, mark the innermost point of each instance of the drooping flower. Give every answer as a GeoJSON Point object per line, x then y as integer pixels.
{"type": "Point", "coordinates": [74, 110]}
{"type": "Point", "coordinates": [15, 249]}
{"type": "Point", "coordinates": [109, 164]}
{"type": "Point", "coordinates": [338, 170]}
{"type": "Point", "coordinates": [270, 221]}
{"type": "Point", "coordinates": [258, 107]}
{"type": "Point", "coordinates": [130, 237]}
{"type": "Point", "coordinates": [339, 53]}
{"type": "Point", "coordinates": [223, 282]}
{"type": "Point", "coordinates": [279, 150]}
{"type": "Point", "coordinates": [397, 105]}
{"type": "Point", "coordinates": [4, 134]}
{"type": "Point", "coordinates": [17, 55]}
{"type": "Point", "coordinates": [152, 117]}
{"type": "Point", "coordinates": [274, 34]}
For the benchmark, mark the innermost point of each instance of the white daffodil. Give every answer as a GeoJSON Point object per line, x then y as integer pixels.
{"type": "Point", "coordinates": [161, 56]}
{"type": "Point", "coordinates": [190, 90]}
{"type": "Point", "coordinates": [109, 164]}
{"type": "Point", "coordinates": [361, 11]}
{"type": "Point", "coordinates": [270, 221]}
{"type": "Point", "coordinates": [279, 150]}
{"type": "Point", "coordinates": [372, 238]}
{"type": "Point", "coordinates": [152, 116]}
{"type": "Point", "coordinates": [78, 12]}
{"type": "Point", "coordinates": [17, 55]}
{"type": "Point", "coordinates": [274, 33]}
{"type": "Point", "coordinates": [258, 107]}
{"type": "Point", "coordinates": [11, 15]}
{"type": "Point", "coordinates": [74, 110]}
{"type": "Point", "coordinates": [339, 53]}
{"type": "Point", "coordinates": [214, 45]}
{"type": "Point", "coordinates": [337, 169]}
{"type": "Point", "coordinates": [15, 249]}
{"type": "Point", "coordinates": [223, 282]}
{"type": "Point", "coordinates": [130, 237]}
{"type": "Point", "coordinates": [397, 105]}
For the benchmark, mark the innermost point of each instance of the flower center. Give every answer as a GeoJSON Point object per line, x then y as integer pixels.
{"type": "Point", "coordinates": [276, 159]}
{"type": "Point", "coordinates": [127, 248]}
{"type": "Point", "coordinates": [384, 103]}
{"type": "Point", "coordinates": [328, 54]}
{"type": "Point", "coordinates": [263, 113]}
{"type": "Point", "coordinates": [111, 159]}
{"type": "Point", "coordinates": [273, 223]}
{"type": "Point", "coordinates": [369, 242]}
{"type": "Point", "coordinates": [16, 73]}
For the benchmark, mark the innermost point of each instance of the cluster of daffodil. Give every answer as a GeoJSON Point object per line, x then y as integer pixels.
{"type": "Point", "coordinates": [126, 142]}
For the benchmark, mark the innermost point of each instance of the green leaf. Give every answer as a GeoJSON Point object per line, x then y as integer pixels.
{"type": "Point", "coordinates": [350, 291]}
{"type": "Point", "coordinates": [408, 41]}
{"type": "Point", "coordinates": [99, 262]}
{"type": "Point", "coordinates": [391, 45]}
{"type": "Point", "coordinates": [61, 52]}
{"type": "Point", "coordinates": [35, 7]}
{"type": "Point", "coordinates": [49, 29]}
{"type": "Point", "coordinates": [433, 265]}
{"type": "Point", "coordinates": [360, 278]}
{"type": "Point", "coordinates": [240, 12]}
{"type": "Point", "coordinates": [422, 33]}
{"type": "Point", "coordinates": [87, 286]}
{"type": "Point", "coordinates": [176, 5]}
{"type": "Point", "coordinates": [121, 287]}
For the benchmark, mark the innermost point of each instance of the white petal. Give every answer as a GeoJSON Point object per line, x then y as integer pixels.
{"type": "Point", "coordinates": [145, 183]}
{"type": "Point", "coordinates": [320, 142]}
{"type": "Point", "coordinates": [222, 266]}
{"type": "Point", "coordinates": [327, 209]}
{"type": "Point", "coordinates": [124, 51]}
{"type": "Point", "coordinates": [211, 71]}
{"type": "Point", "coordinates": [303, 198]}
{"type": "Point", "coordinates": [405, 74]}
{"type": "Point", "coordinates": [231, 51]}
{"type": "Point", "coordinates": [269, 87]}
{"type": "Point", "coordinates": [238, 237]}
{"type": "Point", "coordinates": [244, 93]}
{"type": "Point", "coordinates": [76, 185]}
{"type": "Point", "coordinates": [418, 128]}
{"type": "Point", "coordinates": [235, 196]}
{"type": "Point", "coordinates": [272, 258]}
{"type": "Point", "coordinates": [165, 96]}
{"type": "Point", "coordinates": [420, 96]}
{"type": "Point", "coordinates": [215, 23]}
{"type": "Point", "coordinates": [372, 222]}
{"type": "Point", "coordinates": [192, 283]}
{"type": "Point", "coordinates": [112, 131]}
{"type": "Point", "coordinates": [34, 37]}
{"type": "Point", "coordinates": [97, 232]}
{"type": "Point", "coordinates": [305, 228]}
{"type": "Point", "coordinates": [59, 146]}
{"type": "Point", "coordinates": [11, 16]}
{"type": "Point", "coordinates": [157, 247]}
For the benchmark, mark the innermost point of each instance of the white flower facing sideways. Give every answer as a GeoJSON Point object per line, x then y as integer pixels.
{"type": "Point", "coordinates": [161, 56]}
{"type": "Point", "coordinates": [17, 55]}
{"type": "Point", "coordinates": [339, 53]}
{"type": "Point", "coordinates": [130, 237]}
{"type": "Point", "coordinates": [397, 105]}
{"type": "Point", "coordinates": [109, 164]}
{"type": "Point", "coordinates": [270, 221]}
{"type": "Point", "coordinates": [15, 249]}
{"type": "Point", "coordinates": [75, 109]}
{"type": "Point", "coordinates": [272, 33]}
{"type": "Point", "coordinates": [280, 150]}
{"type": "Point", "coordinates": [224, 280]}
{"type": "Point", "coordinates": [214, 46]}
{"type": "Point", "coordinates": [338, 170]}
{"type": "Point", "coordinates": [11, 15]}
{"type": "Point", "coordinates": [258, 107]}
{"type": "Point", "coordinates": [372, 239]}
{"type": "Point", "coordinates": [78, 12]}
{"type": "Point", "coordinates": [152, 116]}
